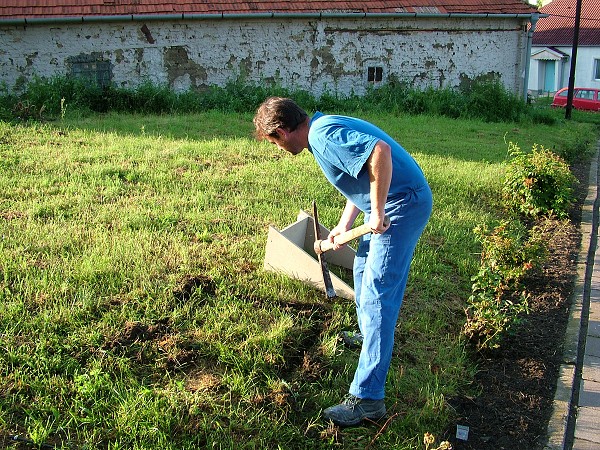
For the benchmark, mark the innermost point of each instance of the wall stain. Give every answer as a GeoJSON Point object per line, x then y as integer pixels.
{"type": "Point", "coordinates": [430, 64]}
{"type": "Point", "coordinates": [30, 59]}
{"type": "Point", "coordinates": [467, 82]}
{"type": "Point", "coordinates": [178, 64]}
{"type": "Point", "coordinates": [449, 46]}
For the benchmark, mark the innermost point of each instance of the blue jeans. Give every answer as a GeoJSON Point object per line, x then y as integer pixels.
{"type": "Point", "coordinates": [381, 270]}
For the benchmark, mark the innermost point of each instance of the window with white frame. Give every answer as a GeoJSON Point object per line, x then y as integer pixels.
{"type": "Point", "coordinates": [596, 69]}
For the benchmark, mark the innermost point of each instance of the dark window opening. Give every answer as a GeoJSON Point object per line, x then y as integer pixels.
{"type": "Point", "coordinates": [91, 68]}
{"type": "Point", "coordinates": [375, 74]}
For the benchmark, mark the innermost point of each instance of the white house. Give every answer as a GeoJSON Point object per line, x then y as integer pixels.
{"type": "Point", "coordinates": [553, 43]}
{"type": "Point", "coordinates": [337, 46]}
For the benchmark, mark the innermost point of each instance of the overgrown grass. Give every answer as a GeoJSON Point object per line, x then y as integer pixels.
{"type": "Point", "coordinates": [134, 311]}
{"type": "Point", "coordinates": [481, 99]}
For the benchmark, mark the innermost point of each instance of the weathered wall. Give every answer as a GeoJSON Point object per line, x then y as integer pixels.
{"type": "Point", "coordinates": [317, 55]}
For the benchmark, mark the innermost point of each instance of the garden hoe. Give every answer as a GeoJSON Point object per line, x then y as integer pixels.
{"type": "Point", "coordinates": [329, 290]}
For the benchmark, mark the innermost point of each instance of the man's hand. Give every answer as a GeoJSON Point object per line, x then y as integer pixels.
{"type": "Point", "coordinates": [337, 230]}
{"type": "Point", "coordinates": [346, 221]}
{"type": "Point", "coordinates": [378, 225]}
{"type": "Point", "coordinates": [338, 237]}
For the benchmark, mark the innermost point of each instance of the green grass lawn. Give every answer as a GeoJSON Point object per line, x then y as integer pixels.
{"type": "Point", "coordinates": [135, 313]}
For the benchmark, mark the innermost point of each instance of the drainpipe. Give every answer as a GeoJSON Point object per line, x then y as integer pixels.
{"type": "Point", "coordinates": [534, 19]}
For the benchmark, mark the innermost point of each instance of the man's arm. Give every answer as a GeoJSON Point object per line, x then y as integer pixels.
{"type": "Point", "coordinates": [349, 215]}
{"type": "Point", "coordinates": [347, 219]}
{"type": "Point", "coordinates": [379, 166]}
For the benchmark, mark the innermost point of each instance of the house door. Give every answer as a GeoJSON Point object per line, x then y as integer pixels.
{"type": "Point", "coordinates": [549, 76]}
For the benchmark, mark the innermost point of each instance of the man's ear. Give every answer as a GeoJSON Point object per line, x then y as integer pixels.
{"type": "Point", "coordinates": [282, 132]}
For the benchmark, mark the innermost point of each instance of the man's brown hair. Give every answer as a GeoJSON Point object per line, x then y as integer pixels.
{"type": "Point", "coordinates": [277, 112]}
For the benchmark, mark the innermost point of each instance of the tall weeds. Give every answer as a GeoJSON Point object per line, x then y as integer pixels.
{"type": "Point", "coordinates": [484, 100]}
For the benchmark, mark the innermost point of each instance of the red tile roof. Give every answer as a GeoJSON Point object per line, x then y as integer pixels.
{"type": "Point", "coordinates": [30, 9]}
{"type": "Point", "coordinates": [557, 29]}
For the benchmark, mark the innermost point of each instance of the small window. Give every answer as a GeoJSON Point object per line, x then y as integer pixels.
{"type": "Point", "coordinates": [596, 69]}
{"type": "Point", "coordinates": [91, 68]}
{"type": "Point", "coordinates": [375, 74]}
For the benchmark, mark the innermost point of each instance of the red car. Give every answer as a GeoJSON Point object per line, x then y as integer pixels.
{"type": "Point", "coordinates": [586, 99]}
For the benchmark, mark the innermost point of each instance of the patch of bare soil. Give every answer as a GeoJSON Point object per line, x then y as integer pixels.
{"type": "Point", "coordinates": [516, 383]}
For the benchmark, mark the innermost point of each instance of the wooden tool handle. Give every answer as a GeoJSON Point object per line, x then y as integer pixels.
{"type": "Point", "coordinates": [324, 245]}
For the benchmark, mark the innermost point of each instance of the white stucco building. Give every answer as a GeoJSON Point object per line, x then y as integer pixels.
{"type": "Point", "coordinates": [336, 46]}
{"type": "Point", "coordinates": [553, 44]}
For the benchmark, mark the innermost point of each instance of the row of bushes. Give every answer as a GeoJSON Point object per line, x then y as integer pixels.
{"type": "Point", "coordinates": [538, 184]}
{"type": "Point", "coordinates": [486, 100]}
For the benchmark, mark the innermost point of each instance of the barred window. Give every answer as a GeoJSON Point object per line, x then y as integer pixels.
{"type": "Point", "coordinates": [91, 68]}
{"type": "Point", "coordinates": [375, 74]}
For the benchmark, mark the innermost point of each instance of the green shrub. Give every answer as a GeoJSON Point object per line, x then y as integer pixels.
{"type": "Point", "coordinates": [536, 184]}
{"type": "Point", "coordinates": [509, 251]}
{"type": "Point", "coordinates": [149, 98]}
{"type": "Point", "coordinates": [47, 93]}
{"type": "Point", "coordinates": [388, 97]}
{"type": "Point", "coordinates": [7, 102]}
{"type": "Point", "coordinates": [539, 183]}
{"type": "Point", "coordinates": [578, 149]}
{"type": "Point", "coordinates": [483, 99]}
{"type": "Point", "coordinates": [542, 116]}
{"type": "Point", "coordinates": [491, 101]}
{"type": "Point", "coordinates": [446, 102]}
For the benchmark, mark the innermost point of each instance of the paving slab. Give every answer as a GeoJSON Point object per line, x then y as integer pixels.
{"type": "Point", "coordinates": [591, 368]}
{"type": "Point", "coordinates": [589, 396]}
{"type": "Point", "coordinates": [581, 444]}
{"type": "Point", "coordinates": [563, 432]}
{"type": "Point", "coordinates": [587, 425]}
{"type": "Point", "coordinates": [592, 346]}
{"type": "Point", "coordinates": [594, 327]}
{"type": "Point", "coordinates": [594, 314]}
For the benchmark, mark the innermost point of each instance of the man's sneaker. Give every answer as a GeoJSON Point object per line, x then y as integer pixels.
{"type": "Point", "coordinates": [351, 339]}
{"type": "Point", "coordinates": [354, 410]}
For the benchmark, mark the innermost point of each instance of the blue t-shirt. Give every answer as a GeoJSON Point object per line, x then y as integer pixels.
{"type": "Point", "coordinates": [341, 145]}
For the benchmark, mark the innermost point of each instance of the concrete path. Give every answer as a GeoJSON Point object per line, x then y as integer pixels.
{"type": "Point", "coordinates": [575, 423]}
